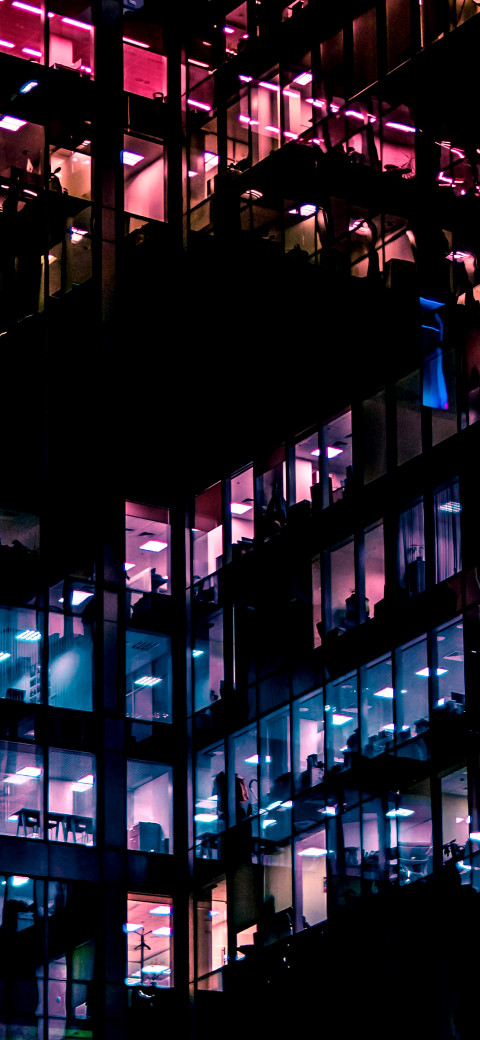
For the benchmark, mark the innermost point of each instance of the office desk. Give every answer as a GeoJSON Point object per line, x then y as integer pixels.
{"type": "Point", "coordinates": [28, 818]}
{"type": "Point", "coordinates": [69, 823]}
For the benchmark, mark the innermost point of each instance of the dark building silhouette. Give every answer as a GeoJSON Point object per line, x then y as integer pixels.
{"type": "Point", "coordinates": [239, 549]}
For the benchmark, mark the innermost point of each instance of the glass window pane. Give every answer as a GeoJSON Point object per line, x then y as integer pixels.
{"type": "Point", "coordinates": [208, 533]}
{"type": "Point", "coordinates": [374, 437]}
{"type": "Point", "coordinates": [144, 179]}
{"type": "Point", "coordinates": [317, 601]}
{"type": "Point", "coordinates": [308, 741]}
{"type": "Point", "coordinates": [450, 667]}
{"type": "Point", "coordinates": [210, 801]}
{"type": "Point", "coordinates": [207, 654]}
{"type": "Point", "coordinates": [19, 555]}
{"type": "Point", "coordinates": [374, 568]}
{"type": "Point", "coordinates": [455, 816]}
{"type": "Point", "coordinates": [149, 807]}
{"type": "Point", "coordinates": [244, 783]}
{"type": "Point", "coordinates": [278, 902]}
{"type": "Point", "coordinates": [147, 555]}
{"type": "Point", "coordinates": [242, 509]}
{"type": "Point", "coordinates": [448, 551]}
{"type": "Point", "coordinates": [212, 933]}
{"type": "Point", "coordinates": [311, 879]}
{"type": "Point", "coordinates": [341, 714]}
{"type": "Point", "coordinates": [149, 676]}
{"type": "Point", "coordinates": [71, 37]}
{"type": "Point", "coordinates": [307, 468]}
{"type": "Point", "coordinates": [376, 845]}
{"type": "Point", "coordinates": [70, 649]}
{"type": "Point", "coordinates": [272, 494]}
{"type": "Point", "coordinates": [409, 418]}
{"type": "Point", "coordinates": [22, 177]}
{"type": "Point", "coordinates": [343, 596]}
{"type": "Point", "coordinates": [71, 797]}
{"type": "Point", "coordinates": [22, 782]}
{"type": "Point", "coordinates": [414, 833]}
{"type": "Point", "coordinates": [411, 550]}
{"type": "Point", "coordinates": [411, 704]}
{"type": "Point", "coordinates": [20, 654]}
{"type": "Point", "coordinates": [275, 775]}
{"type": "Point", "coordinates": [377, 708]}
{"type": "Point", "coordinates": [337, 459]}
{"type": "Point", "coordinates": [149, 928]}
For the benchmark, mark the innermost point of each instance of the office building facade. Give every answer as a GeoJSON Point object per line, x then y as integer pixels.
{"type": "Point", "coordinates": [239, 585]}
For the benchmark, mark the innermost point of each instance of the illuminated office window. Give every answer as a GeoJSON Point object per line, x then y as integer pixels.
{"type": "Point", "coordinates": [21, 639]}
{"type": "Point", "coordinates": [455, 814]}
{"type": "Point", "coordinates": [149, 928]}
{"type": "Point", "coordinates": [144, 180]}
{"type": "Point", "coordinates": [336, 462]}
{"type": "Point", "coordinates": [411, 703]}
{"type": "Point", "coordinates": [144, 65]}
{"type": "Point", "coordinates": [374, 568]}
{"type": "Point", "coordinates": [212, 932]}
{"type": "Point", "coordinates": [272, 494]}
{"type": "Point", "coordinates": [448, 546]}
{"type": "Point", "coordinates": [149, 676]}
{"type": "Point", "coordinates": [207, 656]}
{"type": "Point", "coordinates": [308, 741]}
{"type": "Point", "coordinates": [377, 696]}
{"type": "Point", "coordinates": [307, 467]}
{"type": "Point", "coordinates": [71, 36]}
{"type": "Point", "coordinates": [149, 807]}
{"type": "Point", "coordinates": [341, 716]}
{"type": "Point", "coordinates": [210, 801]}
{"type": "Point", "coordinates": [71, 797]}
{"type": "Point", "coordinates": [311, 878]}
{"type": "Point", "coordinates": [208, 533]}
{"type": "Point", "coordinates": [22, 32]}
{"type": "Point", "coordinates": [70, 641]}
{"type": "Point", "coordinates": [147, 555]}
{"type": "Point", "coordinates": [343, 605]}
{"type": "Point", "coordinates": [450, 667]}
{"type": "Point", "coordinates": [242, 509]}
{"type": "Point", "coordinates": [21, 779]}
{"type": "Point", "coordinates": [411, 549]}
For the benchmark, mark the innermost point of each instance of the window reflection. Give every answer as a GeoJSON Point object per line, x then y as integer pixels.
{"type": "Point", "coordinates": [149, 807]}
{"type": "Point", "coordinates": [149, 929]}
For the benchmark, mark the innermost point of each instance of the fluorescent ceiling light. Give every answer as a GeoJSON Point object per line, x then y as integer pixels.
{"type": "Point", "coordinates": [12, 123]}
{"type": "Point", "coordinates": [156, 969]}
{"type": "Point", "coordinates": [474, 836]}
{"type": "Point", "coordinates": [246, 79]}
{"type": "Point", "coordinates": [340, 720]}
{"type": "Point", "coordinates": [4, 655]}
{"type": "Point", "coordinates": [153, 545]}
{"type": "Point", "coordinates": [316, 102]}
{"type": "Point", "coordinates": [333, 452]}
{"type": "Point", "coordinates": [290, 135]}
{"type": "Point", "coordinates": [162, 931]}
{"type": "Point", "coordinates": [30, 635]}
{"type": "Point", "coordinates": [386, 692]}
{"type": "Point", "coordinates": [273, 805]}
{"type": "Point", "coordinates": [239, 507]}
{"type": "Point", "coordinates": [459, 254]}
{"type": "Point", "coordinates": [31, 52]}
{"type": "Point", "coordinates": [7, 43]}
{"type": "Point", "coordinates": [329, 810]}
{"type": "Point", "coordinates": [307, 210]}
{"type": "Point", "coordinates": [136, 43]}
{"type": "Point", "coordinates": [205, 817]}
{"type": "Point", "coordinates": [312, 851]}
{"type": "Point", "coordinates": [253, 760]}
{"type": "Point", "coordinates": [199, 104]}
{"type": "Point", "coordinates": [451, 507]}
{"type": "Point", "coordinates": [228, 29]}
{"type": "Point", "coordinates": [303, 79]}
{"type": "Point", "coordinates": [268, 823]}
{"type": "Point", "coordinates": [79, 597]}
{"type": "Point", "coordinates": [287, 805]}
{"type": "Point", "coordinates": [290, 93]}
{"type": "Point", "coordinates": [269, 86]}
{"type": "Point", "coordinates": [130, 158]}
{"type": "Point", "coordinates": [26, 7]}
{"type": "Point", "coordinates": [29, 771]}
{"type": "Point", "coordinates": [273, 129]}
{"type": "Point", "coordinates": [201, 64]}
{"type": "Point", "coordinates": [244, 119]}
{"type": "Point", "coordinates": [399, 812]}
{"type": "Point", "coordinates": [197, 653]}
{"type": "Point", "coordinates": [316, 451]}
{"type": "Point", "coordinates": [213, 913]}
{"type": "Point", "coordinates": [84, 784]}
{"type": "Point", "coordinates": [76, 24]}
{"type": "Point", "coordinates": [132, 927]}
{"type": "Point", "coordinates": [352, 114]}
{"type": "Point", "coordinates": [425, 672]}
{"type": "Point", "coordinates": [162, 910]}
{"type": "Point", "coordinates": [14, 778]}
{"type": "Point", "coordinates": [389, 728]}
{"type": "Point", "coordinates": [128, 566]}
{"type": "Point", "coordinates": [18, 880]}
{"type": "Point", "coordinates": [147, 680]}
{"type": "Point", "coordinates": [192, 173]}
{"type": "Point", "coordinates": [401, 126]}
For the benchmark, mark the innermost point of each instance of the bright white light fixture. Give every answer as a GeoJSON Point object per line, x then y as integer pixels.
{"type": "Point", "coordinates": [329, 810]}
{"type": "Point", "coordinates": [312, 851]}
{"type": "Point", "coordinates": [399, 812]}
{"type": "Point", "coordinates": [153, 545]}
{"type": "Point", "coordinates": [4, 655]}
{"type": "Point", "coordinates": [9, 45]}
{"type": "Point", "coordinates": [239, 507]}
{"type": "Point", "coordinates": [130, 158]}
{"type": "Point", "coordinates": [162, 910]}
{"type": "Point", "coordinates": [29, 771]}
{"type": "Point", "coordinates": [136, 43]}
{"type": "Point", "coordinates": [333, 452]}
{"type": "Point", "coordinates": [303, 79]}
{"type": "Point", "coordinates": [147, 680]}
{"type": "Point", "coordinates": [128, 566]}
{"type": "Point", "coordinates": [197, 653]}
{"type": "Point", "coordinates": [76, 25]}
{"type": "Point", "coordinates": [387, 693]}
{"type": "Point", "coordinates": [79, 597]}
{"type": "Point", "coordinates": [425, 672]}
{"type": "Point", "coordinates": [12, 123]}
{"type": "Point", "coordinates": [268, 823]}
{"type": "Point", "coordinates": [132, 927]}
{"type": "Point", "coordinates": [18, 880]}
{"type": "Point", "coordinates": [307, 210]}
{"type": "Point", "coordinates": [30, 51]}
{"type": "Point", "coordinates": [26, 7]}
{"type": "Point", "coordinates": [14, 778]}
{"type": "Point", "coordinates": [199, 104]}
{"type": "Point", "coordinates": [474, 836]}
{"type": "Point", "coordinates": [162, 931]}
{"type": "Point", "coordinates": [340, 720]}
{"type": "Point", "coordinates": [29, 636]}
{"type": "Point", "coordinates": [451, 507]}
{"type": "Point", "coordinates": [84, 784]}
{"type": "Point", "coordinates": [205, 817]}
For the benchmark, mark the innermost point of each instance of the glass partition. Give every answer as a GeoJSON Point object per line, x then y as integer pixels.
{"type": "Point", "coordinates": [212, 931]}
{"type": "Point", "coordinates": [243, 776]}
{"type": "Point", "coordinates": [272, 494]}
{"type": "Point", "coordinates": [409, 417]}
{"type": "Point", "coordinates": [149, 676]}
{"type": "Point", "coordinates": [374, 568]}
{"type": "Point", "coordinates": [149, 928]}
{"type": "Point", "coordinates": [307, 467]}
{"type": "Point", "coordinates": [275, 775]}
{"type": "Point", "coordinates": [71, 797]}
{"type": "Point", "coordinates": [455, 814]}
{"type": "Point", "coordinates": [71, 37]}
{"type": "Point", "coordinates": [71, 649]}
{"type": "Point", "coordinates": [242, 509]}
{"type": "Point", "coordinates": [149, 807]}
{"type": "Point", "coordinates": [342, 587]}
{"type": "Point", "coordinates": [21, 778]}
{"type": "Point", "coordinates": [144, 177]}
{"type": "Point", "coordinates": [308, 741]}
{"type": "Point", "coordinates": [377, 698]}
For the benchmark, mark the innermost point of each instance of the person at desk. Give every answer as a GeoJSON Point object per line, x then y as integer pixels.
{"type": "Point", "coordinates": [276, 512]}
